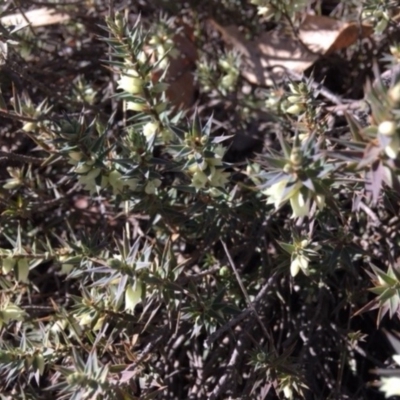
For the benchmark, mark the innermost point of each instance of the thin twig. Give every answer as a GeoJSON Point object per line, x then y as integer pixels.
{"type": "Point", "coordinates": [244, 291]}
{"type": "Point", "coordinates": [234, 321]}
{"type": "Point", "coordinates": [21, 158]}
{"type": "Point", "coordinates": [233, 362]}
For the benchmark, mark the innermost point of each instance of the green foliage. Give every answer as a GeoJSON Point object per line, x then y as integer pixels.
{"type": "Point", "coordinates": [141, 259]}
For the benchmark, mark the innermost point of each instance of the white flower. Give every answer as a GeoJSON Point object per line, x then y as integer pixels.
{"type": "Point", "coordinates": [278, 194]}
{"type": "Point", "coordinates": [133, 295]}
{"type": "Point", "coordinates": [300, 204]}
{"type": "Point", "coordinates": [200, 164]}
{"type": "Point", "coordinates": [131, 82]}
{"type": "Point", "coordinates": [288, 392]}
{"type": "Point", "coordinates": [387, 128]}
{"type": "Point", "coordinates": [394, 93]}
{"type": "Point", "coordinates": [152, 186]}
{"type": "Point", "coordinates": [199, 180]}
{"type": "Point", "coordinates": [149, 130]}
{"type": "Point", "coordinates": [391, 386]}
{"type": "Point", "coordinates": [86, 319]}
{"type": "Point", "coordinates": [134, 106]}
{"type": "Point", "coordinates": [392, 149]}
{"type": "Point", "coordinates": [320, 200]}
{"type": "Point", "coordinates": [219, 153]}
{"type": "Point", "coordinates": [29, 126]}
{"type": "Point", "coordinates": [396, 358]}
{"type": "Point", "coordinates": [59, 326]}
{"type": "Point", "coordinates": [275, 193]}
{"type": "Point", "coordinates": [299, 262]}
{"type": "Point", "coordinates": [218, 178]}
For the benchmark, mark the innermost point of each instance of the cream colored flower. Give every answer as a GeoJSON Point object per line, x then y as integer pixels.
{"type": "Point", "coordinates": [29, 126]}
{"type": "Point", "coordinates": [391, 386]}
{"type": "Point", "coordinates": [396, 358]}
{"type": "Point", "coordinates": [199, 165]}
{"type": "Point", "coordinates": [85, 319]}
{"type": "Point", "coordinates": [300, 204]}
{"type": "Point", "coordinates": [149, 130]}
{"type": "Point", "coordinates": [299, 262]}
{"type": "Point", "coordinates": [387, 128]}
{"type": "Point", "coordinates": [199, 180]}
{"type": "Point", "coordinates": [151, 186]}
{"type": "Point", "coordinates": [320, 200]}
{"type": "Point", "coordinates": [131, 82]}
{"type": "Point", "coordinates": [275, 193]}
{"type": "Point", "coordinates": [288, 392]}
{"type": "Point", "coordinates": [392, 149]}
{"type": "Point", "coordinates": [218, 178]}
{"type": "Point", "coordinates": [133, 295]}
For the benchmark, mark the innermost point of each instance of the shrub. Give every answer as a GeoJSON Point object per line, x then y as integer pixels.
{"type": "Point", "coordinates": [151, 248]}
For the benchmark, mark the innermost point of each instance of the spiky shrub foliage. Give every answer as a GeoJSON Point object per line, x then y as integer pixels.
{"type": "Point", "coordinates": [137, 263]}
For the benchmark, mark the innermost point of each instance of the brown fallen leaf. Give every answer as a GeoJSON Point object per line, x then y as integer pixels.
{"type": "Point", "coordinates": [39, 17]}
{"type": "Point", "coordinates": [268, 58]}
{"type": "Point", "coordinates": [325, 35]}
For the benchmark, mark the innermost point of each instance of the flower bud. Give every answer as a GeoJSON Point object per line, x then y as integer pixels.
{"type": "Point", "coordinates": [387, 128]}
{"type": "Point", "coordinates": [295, 109]}
{"type": "Point", "coordinates": [394, 93]}
{"type": "Point", "coordinates": [131, 82]}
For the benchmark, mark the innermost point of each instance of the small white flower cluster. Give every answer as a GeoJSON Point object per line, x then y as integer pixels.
{"type": "Point", "coordinates": [163, 46]}
{"type": "Point", "coordinates": [230, 66]}
{"type": "Point", "coordinates": [133, 295]}
{"type": "Point", "coordinates": [152, 129]}
{"type": "Point", "coordinates": [16, 179]}
{"type": "Point", "coordinates": [208, 172]}
{"type": "Point", "coordinates": [299, 196]}
{"type": "Point", "coordinates": [299, 259]}
{"type": "Point", "coordinates": [297, 100]}
{"type": "Point", "coordinates": [133, 83]}
{"type": "Point", "coordinates": [89, 175]}
{"type": "Point", "coordinates": [378, 16]}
